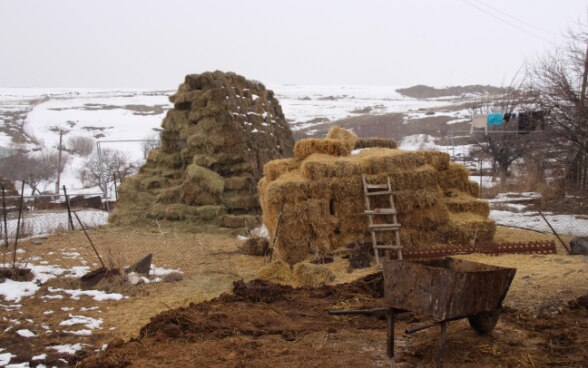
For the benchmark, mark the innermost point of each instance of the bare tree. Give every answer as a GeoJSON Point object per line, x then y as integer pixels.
{"type": "Point", "coordinates": [32, 170]}
{"type": "Point", "coordinates": [83, 146]}
{"type": "Point", "coordinates": [151, 141]}
{"type": "Point", "coordinates": [560, 80]}
{"type": "Point", "coordinates": [100, 169]}
{"type": "Point", "coordinates": [504, 144]}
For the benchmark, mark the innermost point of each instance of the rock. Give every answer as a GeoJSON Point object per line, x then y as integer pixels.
{"type": "Point", "coordinates": [134, 279]}
{"type": "Point", "coordinates": [173, 276]}
{"type": "Point", "coordinates": [579, 245]}
{"type": "Point", "coordinates": [141, 266]}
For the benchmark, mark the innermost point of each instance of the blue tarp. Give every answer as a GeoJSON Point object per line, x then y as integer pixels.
{"type": "Point", "coordinates": [495, 119]}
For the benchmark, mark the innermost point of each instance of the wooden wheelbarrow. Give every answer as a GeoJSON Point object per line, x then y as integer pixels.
{"type": "Point", "coordinates": [442, 290]}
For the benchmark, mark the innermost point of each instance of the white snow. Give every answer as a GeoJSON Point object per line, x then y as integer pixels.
{"type": "Point", "coordinates": [39, 357]}
{"type": "Point", "coordinates": [97, 295]}
{"type": "Point", "coordinates": [26, 333]}
{"type": "Point", "coordinates": [16, 290]}
{"type": "Point", "coordinates": [88, 322]}
{"type": "Point", "coordinates": [66, 348]}
{"type": "Point", "coordinates": [161, 271]}
{"type": "Point", "coordinates": [5, 358]}
{"type": "Point", "coordinates": [563, 224]}
{"type": "Point", "coordinates": [51, 222]}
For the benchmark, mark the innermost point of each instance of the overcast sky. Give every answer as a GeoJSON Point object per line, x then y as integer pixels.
{"type": "Point", "coordinates": [153, 44]}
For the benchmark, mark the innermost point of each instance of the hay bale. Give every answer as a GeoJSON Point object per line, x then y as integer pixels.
{"type": "Point", "coordinates": [374, 161]}
{"type": "Point", "coordinates": [344, 135]}
{"type": "Point", "coordinates": [240, 183]}
{"type": "Point", "coordinates": [375, 142]}
{"type": "Point", "coordinates": [206, 179]}
{"type": "Point", "coordinates": [239, 221]}
{"type": "Point", "coordinates": [209, 213]}
{"type": "Point", "coordinates": [457, 201]}
{"type": "Point", "coordinates": [321, 201]}
{"type": "Point", "coordinates": [215, 143]}
{"type": "Point", "coordinates": [467, 228]}
{"type": "Point", "coordinates": [309, 146]}
{"type": "Point", "coordinates": [255, 246]}
{"type": "Point", "coordinates": [276, 168]}
{"type": "Point", "coordinates": [309, 275]}
{"type": "Point", "coordinates": [277, 272]}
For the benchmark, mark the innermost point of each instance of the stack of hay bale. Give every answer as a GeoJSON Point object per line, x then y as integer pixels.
{"type": "Point", "coordinates": [215, 141]}
{"type": "Point", "coordinates": [320, 197]}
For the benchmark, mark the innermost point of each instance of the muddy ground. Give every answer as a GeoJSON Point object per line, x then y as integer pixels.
{"type": "Point", "coordinates": [272, 325]}
{"type": "Point", "coordinates": [266, 325]}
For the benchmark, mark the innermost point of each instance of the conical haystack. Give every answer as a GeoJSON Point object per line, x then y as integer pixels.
{"type": "Point", "coordinates": [215, 141]}
{"type": "Point", "coordinates": [320, 196]}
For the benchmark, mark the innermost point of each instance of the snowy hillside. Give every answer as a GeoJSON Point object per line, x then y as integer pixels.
{"type": "Point", "coordinates": [31, 117]}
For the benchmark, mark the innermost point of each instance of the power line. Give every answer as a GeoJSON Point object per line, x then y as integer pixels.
{"type": "Point", "coordinates": [507, 22]}
{"type": "Point", "coordinates": [516, 18]}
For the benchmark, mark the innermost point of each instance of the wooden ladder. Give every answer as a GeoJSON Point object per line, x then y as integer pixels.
{"type": "Point", "coordinates": [371, 190]}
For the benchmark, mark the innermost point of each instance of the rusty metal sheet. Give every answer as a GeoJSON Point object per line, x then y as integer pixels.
{"type": "Point", "coordinates": [532, 247]}
{"type": "Point", "coordinates": [445, 288]}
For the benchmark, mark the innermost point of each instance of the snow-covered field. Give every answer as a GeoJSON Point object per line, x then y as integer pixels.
{"type": "Point", "coordinates": [117, 118]}
{"type": "Point", "coordinates": [302, 103]}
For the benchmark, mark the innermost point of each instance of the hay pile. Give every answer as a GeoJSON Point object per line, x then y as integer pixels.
{"type": "Point", "coordinates": [320, 196]}
{"type": "Point", "coordinates": [215, 141]}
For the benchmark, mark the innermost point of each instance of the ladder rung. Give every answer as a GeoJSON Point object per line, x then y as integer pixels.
{"type": "Point", "coordinates": [384, 227]}
{"type": "Point", "coordinates": [388, 246]}
{"type": "Point", "coordinates": [383, 192]}
{"type": "Point", "coordinates": [381, 211]}
{"type": "Point", "coordinates": [376, 186]}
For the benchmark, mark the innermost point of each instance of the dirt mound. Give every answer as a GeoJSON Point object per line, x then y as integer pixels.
{"type": "Point", "coordinates": [265, 325]}
{"type": "Point", "coordinates": [222, 130]}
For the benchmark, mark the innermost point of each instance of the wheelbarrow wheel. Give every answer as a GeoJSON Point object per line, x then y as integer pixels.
{"type": "Point", "coordinates": [484, 322]}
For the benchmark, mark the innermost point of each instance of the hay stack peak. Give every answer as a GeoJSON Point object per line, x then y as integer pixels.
{"type": "Point", "coordinates": [320, 196]}
{"type": "Point", "coordinates": [222, 130]}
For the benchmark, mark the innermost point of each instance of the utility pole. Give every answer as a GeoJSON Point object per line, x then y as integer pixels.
{"type": "Point", "coordinates": [59, 161]}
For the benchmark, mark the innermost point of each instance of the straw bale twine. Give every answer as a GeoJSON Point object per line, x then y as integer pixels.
{"type": "Point", "coordinates": [309, 275]}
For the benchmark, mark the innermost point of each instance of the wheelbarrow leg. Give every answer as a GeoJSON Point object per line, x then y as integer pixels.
{"type": "Point", "coordinates": [442, 340]}
{"type": "Point", "coordinates": [390, 332]}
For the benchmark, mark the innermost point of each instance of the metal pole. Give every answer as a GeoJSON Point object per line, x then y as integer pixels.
{"type": "Point", "coordinates": [68, 209]}
{"type": "Point", "coordinates": [4, 212]}
{"type": "Point", "coordinates": [481, 178]}
{"type": "Point", "coordinates": [115, 188]}
{"type": "Point", "coordinates": [18, 226]}
{"type": "Point", "coordinates": [90, 240]}
{"type": "Point", "coordinates": [390, 332]}
{"type": "Point", "coordinates": [59, 161]}
{"type": "Point", "coordinates": [556, 234]}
